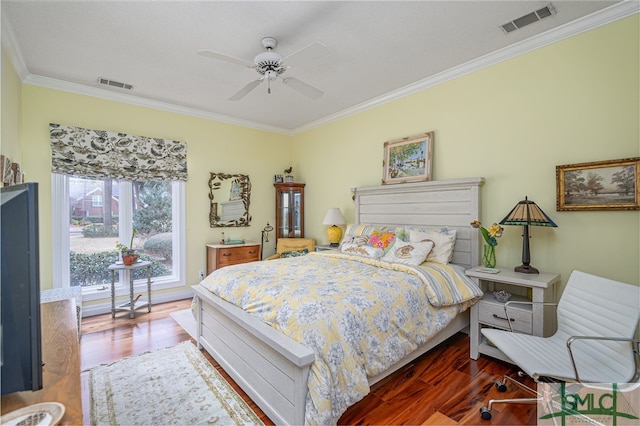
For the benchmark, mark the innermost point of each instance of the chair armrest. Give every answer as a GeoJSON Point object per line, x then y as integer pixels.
{"type": "Point", "coordinates": [522, 302]}
{"type": "Point", "coordinates": [274, 256]}
{"type": "Point", "coordinates": [572, 339]}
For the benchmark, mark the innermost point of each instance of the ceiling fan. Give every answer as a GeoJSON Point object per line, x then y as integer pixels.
{"type": "Point", "coordinates": [271, 66]}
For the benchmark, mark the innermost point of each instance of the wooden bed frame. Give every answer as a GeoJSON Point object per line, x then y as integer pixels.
{"type": "Point", "coordinates": [271, 367]}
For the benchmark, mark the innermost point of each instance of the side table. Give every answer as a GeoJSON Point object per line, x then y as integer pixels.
{"type": "Point", "coordinates": [537, 319]}
{"type": "Point", "coordinates": [131, 305]}
{"type": "Point", "coordinates": [327, 247]}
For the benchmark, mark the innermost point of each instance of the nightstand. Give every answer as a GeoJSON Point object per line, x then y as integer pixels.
{"type": "Point", "coordinates": [537, 319]}
{"type": "Point", "coordinates": [326, 247]}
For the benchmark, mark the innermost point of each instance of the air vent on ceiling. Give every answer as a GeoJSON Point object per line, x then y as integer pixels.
{"type": "Point", "coordinates": [530, 18]}
{"type": "Point", "coordinates": [113, 83]}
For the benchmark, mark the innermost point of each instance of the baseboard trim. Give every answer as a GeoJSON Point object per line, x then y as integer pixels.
{"type": "Point", "coordinates": [105, 307]}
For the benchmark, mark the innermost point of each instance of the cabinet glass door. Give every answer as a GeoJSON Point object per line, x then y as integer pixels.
{"type": "Point", "coordinates": [290, 211]}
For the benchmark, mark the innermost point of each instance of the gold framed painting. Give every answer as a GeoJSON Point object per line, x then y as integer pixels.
{"type": "Point", "coordinates": [599, 185]}
{"type": "Point", "coordinates": [408, 159]}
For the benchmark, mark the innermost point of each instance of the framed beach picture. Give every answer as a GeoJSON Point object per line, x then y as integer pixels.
{"type": "Point", "coordinates": [600, 185]}
{"type": "Point", "coordinates": [408, 159]}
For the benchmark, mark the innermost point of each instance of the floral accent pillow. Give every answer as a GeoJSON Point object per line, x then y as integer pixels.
{"type": "Point", "coordinates": [408, 253]}
{"type": "Point", "coordinates": [295, 253]}
{"type": "Point", "coordinates": [383, 240]}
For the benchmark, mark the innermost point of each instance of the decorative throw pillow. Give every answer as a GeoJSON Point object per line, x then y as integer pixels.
{"type": "Point", "coordinates": [359, 234]}
{"type": "Point", "coordinates": [365, 251]}
{"type": "Point", "coordinates": [431, 230]}
{"type": "Point", "coordinates": [408, 253]}
{"type": "Point", "coordinates": [383, 240]}
{"type": "Point", "coordinates": [295, 253]}
{"type": "Point", "coordinates": [359, 240]}
{"type": "Point", "coordinates": [442, 251]}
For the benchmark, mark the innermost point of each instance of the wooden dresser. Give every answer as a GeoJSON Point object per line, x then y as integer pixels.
{"type": "Point", "coordinates": [219, 255]}
{"type": "Point", "coordinates": [61, 371]}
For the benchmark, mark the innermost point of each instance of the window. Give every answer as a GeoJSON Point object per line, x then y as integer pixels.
{"type": "Point", "coordinates": [96, 201]}
{"type": "Point", "coordinates": [86, 230]}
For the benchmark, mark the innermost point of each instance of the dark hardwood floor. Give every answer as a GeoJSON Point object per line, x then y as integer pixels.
{"type": "Point", "coordinates": [443, 387]}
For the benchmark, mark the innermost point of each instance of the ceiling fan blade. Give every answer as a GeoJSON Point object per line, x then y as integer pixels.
{"type": "Point", "coordinates": [302, 87]}
{"type": "Point", "coordinates": [221, 57]}
{"type": "Point", "coordinates": [306, 55]}
{"type": "Point", "coordinates": [245, 90]}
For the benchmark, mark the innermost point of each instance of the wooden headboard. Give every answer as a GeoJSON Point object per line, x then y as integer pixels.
{"type": "Point", "coordinates": [451, 203]}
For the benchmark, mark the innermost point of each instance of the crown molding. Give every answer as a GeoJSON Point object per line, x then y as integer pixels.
{"type": "Point", "coordinates": [10, 46]}
{"type": "Point", "coordinates": [597, 19]}
{"type": "Point", "coordinates": [125, 98]}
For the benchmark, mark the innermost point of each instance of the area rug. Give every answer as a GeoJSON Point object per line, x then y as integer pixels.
{"type": "Point", "coordinates": [186, 320]}
{"type": "Point", "coordinates": [174, 385]}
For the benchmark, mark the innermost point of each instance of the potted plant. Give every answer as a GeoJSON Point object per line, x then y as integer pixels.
{"type": "Point", "coordinates": [128, 254]}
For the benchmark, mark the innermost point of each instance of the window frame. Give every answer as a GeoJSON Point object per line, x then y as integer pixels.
{"type": "Point", "coordinates": [60, 239]}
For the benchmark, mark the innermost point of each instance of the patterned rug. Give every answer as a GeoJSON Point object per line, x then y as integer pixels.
{"type": "Point", "coordinates": [175, 385]}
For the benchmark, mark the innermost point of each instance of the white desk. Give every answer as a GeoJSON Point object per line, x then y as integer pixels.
{"type": "Point", "coordinates": [130, 306]}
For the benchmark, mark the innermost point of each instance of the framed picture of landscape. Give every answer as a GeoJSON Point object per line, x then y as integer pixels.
{"type": "Point", "coordinates": [408, 159]}
{"type": "Point", "coordinates": [600, 185]}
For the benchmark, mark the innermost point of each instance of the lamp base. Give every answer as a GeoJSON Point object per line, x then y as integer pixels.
{"type": "Point", "coordinates": [526, 269]}
{"type": "Point", "coordinates": [334, 245]}
{"type": "Point", "coordinates": [334, 235]}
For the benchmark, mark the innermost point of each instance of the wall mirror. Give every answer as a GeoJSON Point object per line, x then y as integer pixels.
{"type": "Point", "coordinates": [229, 197]}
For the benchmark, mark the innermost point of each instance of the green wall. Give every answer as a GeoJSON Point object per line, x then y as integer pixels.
{"type": "Point", "coordinates": [574, 101]}
{"type": "Point", "coordinates": [11, 103]}
{"type": "Point", "coordinates": [571, 102]}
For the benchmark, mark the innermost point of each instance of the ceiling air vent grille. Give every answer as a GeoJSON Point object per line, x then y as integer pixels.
{"type": "Point", "coordinates": [113, 83]}
{"type": "Point", "coordinates": [528, 19]}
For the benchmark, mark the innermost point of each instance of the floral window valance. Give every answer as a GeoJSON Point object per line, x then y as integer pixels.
{"type": "Point", "coordinates": [101, 154]}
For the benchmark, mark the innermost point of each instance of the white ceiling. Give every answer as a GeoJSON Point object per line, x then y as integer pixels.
{"type": "Point", "coordinates": [378, 50]}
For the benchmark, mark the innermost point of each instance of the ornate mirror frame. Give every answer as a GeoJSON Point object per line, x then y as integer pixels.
{"type": "Point", "coordinates": [235, 197]}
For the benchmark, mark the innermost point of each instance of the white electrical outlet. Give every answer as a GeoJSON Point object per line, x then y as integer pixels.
{"type": "Point", "coordinates": [201, 273]}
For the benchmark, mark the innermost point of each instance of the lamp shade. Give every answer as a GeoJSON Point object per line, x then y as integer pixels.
{"type": "Point", "coordinates": [333, 217]}
{"type": "Point", "coordinates": [334, 233]}
{"type": "Point", "coordinates": [526, 213]}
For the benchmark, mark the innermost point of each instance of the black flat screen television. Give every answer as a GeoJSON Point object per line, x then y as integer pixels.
{"type": "Point", "coordinates": [21, 348]}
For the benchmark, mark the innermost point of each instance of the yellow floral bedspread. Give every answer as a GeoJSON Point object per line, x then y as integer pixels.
{"type": "Point", "coordinates": [358, 315]}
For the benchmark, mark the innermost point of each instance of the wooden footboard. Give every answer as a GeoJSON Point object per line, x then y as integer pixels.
{"type": "Point", "coordinates": [269, 366]}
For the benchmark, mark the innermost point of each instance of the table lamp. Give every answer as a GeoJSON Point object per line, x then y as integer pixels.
{"type": "Point", "coordinates": [527, 213]}
{"type": "Point", "coordinates": [334, 233]}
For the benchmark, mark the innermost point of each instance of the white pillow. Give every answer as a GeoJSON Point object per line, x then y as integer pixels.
{"type": "Point", "coordinates": [442, 251]}
{"type": "Point", "coordinates": [408, 253]}
{"type": "Point", "coordinates": [365, 251]}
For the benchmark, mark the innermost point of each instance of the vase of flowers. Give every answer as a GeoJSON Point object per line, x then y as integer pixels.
{"type": "Point", "coordinates": [490, 236]}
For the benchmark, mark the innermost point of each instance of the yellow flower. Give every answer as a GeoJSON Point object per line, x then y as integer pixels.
{"type": "Point", "coordinates": [495, 230]}
{"type": "Point", "coordinates": [490, 235]}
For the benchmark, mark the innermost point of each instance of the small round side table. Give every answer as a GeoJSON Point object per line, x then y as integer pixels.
{"type": "Point", "coordinates": [130, 306]}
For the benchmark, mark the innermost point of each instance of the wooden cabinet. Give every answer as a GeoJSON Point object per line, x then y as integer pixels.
{"type": "Point", "coordinates": [289, 210]}
{"type": "Point", "coordinates": [219, 255]}
{"type": "Point", "coordinates": [537, 319]}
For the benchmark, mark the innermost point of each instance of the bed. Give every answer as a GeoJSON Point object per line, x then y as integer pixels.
{"type": "Point", "coordinates": [272, 368]}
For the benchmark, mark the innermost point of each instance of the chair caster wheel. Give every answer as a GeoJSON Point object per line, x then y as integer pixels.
{"type": "Point", "coordinates": [502, 387]}
{"type": "Point", "coordinates": [485, 413]}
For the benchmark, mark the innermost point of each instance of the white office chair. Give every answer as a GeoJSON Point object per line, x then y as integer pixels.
{"type": "Point", "coordinates": [597, 319]}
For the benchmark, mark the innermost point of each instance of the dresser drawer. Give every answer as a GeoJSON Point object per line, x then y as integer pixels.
{"type": "Point", "coordinates": [492, 314]}
{"type": "Point", "coordinates": [235, 255]}
{"type": "Point", "coordinates": [219, 255]}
